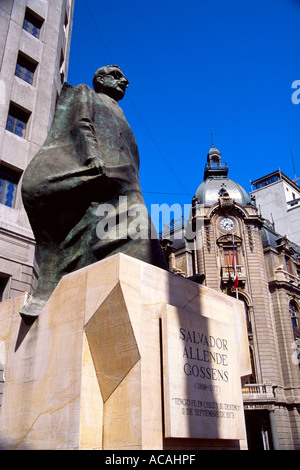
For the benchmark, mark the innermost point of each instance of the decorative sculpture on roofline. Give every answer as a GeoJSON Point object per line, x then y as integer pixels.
{"type": "Point", "coordinates": [87, 171]}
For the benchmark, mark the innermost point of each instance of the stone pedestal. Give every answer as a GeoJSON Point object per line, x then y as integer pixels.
{"type": "Point", "coordinates": [97, 369]}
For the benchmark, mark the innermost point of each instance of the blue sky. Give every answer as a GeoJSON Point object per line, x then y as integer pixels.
{"type": "Point", "coordinates": [198, 67]}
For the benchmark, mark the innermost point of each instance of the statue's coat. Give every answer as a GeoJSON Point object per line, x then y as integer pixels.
{"type": "Point", "coordinates": [90, 157]}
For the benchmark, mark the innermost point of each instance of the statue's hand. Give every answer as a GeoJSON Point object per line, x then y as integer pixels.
{"type": "Point", "coordinates": [96, 165]}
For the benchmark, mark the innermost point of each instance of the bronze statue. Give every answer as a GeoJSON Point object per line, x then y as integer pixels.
{"type": "Point", "coordinates": [89, 160]}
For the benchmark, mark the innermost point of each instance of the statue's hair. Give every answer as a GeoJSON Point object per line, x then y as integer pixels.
{"type": "Point", "coordinates": [101, 72]}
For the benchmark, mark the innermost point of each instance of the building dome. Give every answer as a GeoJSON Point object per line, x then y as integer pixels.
{"type": "Point", "coordinates": [213, 187]}
{"type": "Point", "coordinates": [214, 151]}
{"type": "Point", "coordinates": [216, 182]}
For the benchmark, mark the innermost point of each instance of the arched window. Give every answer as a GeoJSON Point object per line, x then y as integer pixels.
{"type": "Point", "coordinates": [249, 327]}
{"type": "Point", "coordinates": [247, 315]}
{"type": "Point", "coordinates": [288, 265]}
{"type": "Point", "coordinates": [295, 317]}
{"type": "Point", "coordinates": [252, 378]}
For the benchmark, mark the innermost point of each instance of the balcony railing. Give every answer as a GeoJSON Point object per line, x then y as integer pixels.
{"type": "Point", "coordinates": [215, 168]}
{"type": "Point", "coordinates": [258, 391]}
{"type": "Point", "coordinates": [227, 273]}
{"type": "Point", "coordinates": [282, 274]}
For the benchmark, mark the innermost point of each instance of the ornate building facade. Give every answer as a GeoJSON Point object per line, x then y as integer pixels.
{"type": "Point", "coordinates": [241, 255]}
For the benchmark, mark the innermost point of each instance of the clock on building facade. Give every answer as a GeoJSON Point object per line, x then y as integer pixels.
{"type": "Point", "coordinates": [227, 224]}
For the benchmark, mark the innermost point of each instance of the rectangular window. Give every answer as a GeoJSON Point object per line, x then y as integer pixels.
{"type": "Point", "coordinates": [17, 120]}
{"type": "Point", "coordinates": [288, 264]}
{"type": "Point", "coordinates": [25, 68]}
{"type": "Point", "coordinates": [66, 22]}
{"type": "Point", "coordinates": [3, 289]}
{"type": "Point", "coordinates": [267, 181]}
{"type": "Point", "coordinates": [8, 186]}
{"type": "Point", "coordinates": [61, 66]}
{"type": "Point", "coordinates": [32, 23]}
{"type": "Point", "coordinates": [228, 256]}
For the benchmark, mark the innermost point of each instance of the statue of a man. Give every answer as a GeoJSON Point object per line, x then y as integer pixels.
{"type": "Point", "coordinates": [89, 160]}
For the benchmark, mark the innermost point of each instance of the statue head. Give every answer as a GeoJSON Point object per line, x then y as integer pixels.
{"type": "Point", "coordinates": [111, 81]}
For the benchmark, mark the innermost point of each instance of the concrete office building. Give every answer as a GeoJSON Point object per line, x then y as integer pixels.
{"type": "Point", "coordinates": [34, 52]}
{"type": "Point", "coordinates": [277, 198]}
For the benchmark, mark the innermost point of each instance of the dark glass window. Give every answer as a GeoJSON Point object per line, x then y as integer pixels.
{"type": "Point", "coordinates": [268, 181]}
{"type": "Point", "coordinates": [295, 317]}
{"type": "Point", "coordinates": [25, 68]}
{"type": "Point", "coordinates": [17, 120]}
{"type": "Point", "coordinates": [32, 23]}
{"type": "Point", "coordinates": [8, 186]}
{"type": "Point", "coordinates": [288, 265]}
{"type": "Point", "coordinates": [3, 284]}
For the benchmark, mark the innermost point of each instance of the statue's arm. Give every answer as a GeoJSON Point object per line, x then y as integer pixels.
{"type": "Point", "coordinates": [87, 148]}
{"type": "Point", "coordinates": [91, 164]}
{"type": "Point", "coordinates": [86, 144]}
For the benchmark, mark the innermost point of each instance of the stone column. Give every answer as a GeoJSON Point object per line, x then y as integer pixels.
{"type": "Point", "coordinates": [274, 430]}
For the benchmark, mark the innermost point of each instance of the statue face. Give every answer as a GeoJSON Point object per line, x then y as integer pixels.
{"type": "Point", "coordinates": [113, 83]}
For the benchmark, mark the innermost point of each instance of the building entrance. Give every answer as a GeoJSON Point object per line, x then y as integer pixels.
{"type": "Point", "coordinates": [258, 430]}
